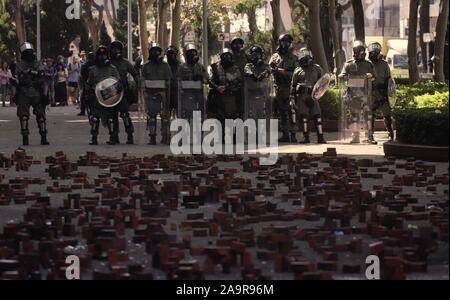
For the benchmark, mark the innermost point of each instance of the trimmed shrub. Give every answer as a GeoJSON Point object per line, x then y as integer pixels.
{"type": "Point", "coordinates": [423, 127]}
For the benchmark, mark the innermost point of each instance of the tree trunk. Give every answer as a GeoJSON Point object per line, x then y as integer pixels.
{"type": "Point", "coordinates": [424, 27]}
{"type": "Point", "coordinates": [359, 23]}
{"type": "Point", "coordinates": [339, 55]}
{"type": "Point", "coordinates": [16, 6]}
{"type": "Point", "coordinates": [412, 43]}
{"type": "Point", "coordinates": [278, 27]}
{"type": "Point", "coordinates": [252, 24]}
{"type": "Point", "coordinates": [90, 22]}
{"type": "Point", "coordinates": [161, 25]}
{"type": "Point", "coordinates": [316, 35]}
{"type": "Point", "coordinates": [143, 34]}
{"type": "Point", "coordinates": [439, 48]}
{"type": "Point", "coordinates": [176, 22]}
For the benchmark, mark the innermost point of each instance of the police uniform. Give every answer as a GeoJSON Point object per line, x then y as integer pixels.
{"type": "Point", "coordinates": [157, 100]}
{"type": "Point", "coordinates": [288, 62]}
{"type": "Point", "coordinates": [97, 112]}
{"type": "Point", "coordinates": [303, 82]}
{"type": "Point", "coordinates": [227, 75]}
{"type": "Point", "coordinates": [124, 68]}
{"type": "Point", "coordinates": [257, 73]}
{"type": "Point", "coordinates": [359, 66]}
{"type": "Point", "coordinates": [29, 93]}
{"type": "Point", "coordinates": [380, 88]}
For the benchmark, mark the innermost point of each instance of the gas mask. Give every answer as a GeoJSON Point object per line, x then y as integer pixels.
{"type": "Point", "coordinates": [374, 56]}
{"type": "Point", "coordinates": [172, 57]}
{"type": "Point", "coordinates": [28, 55]}
{"type": "Point", "coordinates": [256, 58]}
{"type": "Point", "coordinates": [226, 60]}
{"type": "Point", "coordinates": [155, 55]}
{"type": "Point", "coordinates": [237, 47]}
{"type": "Point", "coordinates": [305, 62]}
{"type": "Point", "coordinates": [102, 57]}
{"type": "Point", "coordinates": [192, 57]}
{"type": "Point", "coordinates": [116, 53]}
{"type": "Point", "coordinates": [359, 53]}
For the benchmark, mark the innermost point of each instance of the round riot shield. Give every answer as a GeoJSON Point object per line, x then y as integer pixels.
{"type": "Point", "coordinates": [392, 92]}
{"type": "Point", "coordinates": [109, 92]}
{"type": "Point", "coordinates": [321, 87]}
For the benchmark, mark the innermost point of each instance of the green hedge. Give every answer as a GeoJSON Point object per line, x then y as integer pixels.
{"type": "Point", "coordinates": [329, 104]}
{"type": "Point", "coordinates": [423, 126]}
{"type": "Point", "coordinates": [422, 95]}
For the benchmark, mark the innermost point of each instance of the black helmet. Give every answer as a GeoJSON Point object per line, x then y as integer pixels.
{"type": "Point", "coordinates": [27, 52]}
{"type": "Point", "coordinates": [305, 57]}
{"type": "Point", "coordinates": [286, 37]}
{"type": "Point", "coordinates": [116, 45]}
{"type": "Point", "coordinates": [154, 46]}
{"type": "Point", "coordinates": [237, 44]}
{"type": "Point", "coordinates": [256, 54]}
{"type": "Point", "coordinates": [226, 57]}
{"type": "Point", "coordinates": [102, 55]}
{"type": "Point", "coordinates": [172, 48]}
{"type": "Point", "coordinates": [256, 49]}
{"type": "Point", "coordinates": [116, 49]}
{"type": "Point", "coordinates": [285, 42]}
{"type": "Point", "coordinates": [359, 50]}
{"type": "Point", "coordinates": [374, 51]}
{"type": "Point", "coordinates": [155, 52]}
{"type": "Point", "coordinates": [190, 47]}
{"type": "Point", "coordinates": [191, 54]}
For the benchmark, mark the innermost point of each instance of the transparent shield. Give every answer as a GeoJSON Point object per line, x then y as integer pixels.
{"type": "Point", "coordinates": [355, 120]}
{"type": "Point", "coordinates": [258, 101]}
{"type": "Point", "coordinates": [190, 98]}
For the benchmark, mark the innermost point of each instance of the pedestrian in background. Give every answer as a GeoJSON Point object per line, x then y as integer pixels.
{"type": "Point", "coordinates": [61, 85]}
{"type": "Point", "coordinates": [5, 77]}
{"type": "Point", "coordinates": [49, 80]}
{"type": "Point", "coordinates": [74, 76]}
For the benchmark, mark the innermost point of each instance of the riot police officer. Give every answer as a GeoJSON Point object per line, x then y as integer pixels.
{"type": "Point", "coordinates": [256, 68]}
{"type": "Point", "coordinates": [84, 72]}
{"type": "Point", "coordinates": [303, 81]}
{"type": "Point", "coordinates": [103, 69]}
{"type": "Point", "coordinates": [192, 71]}
{"type": "Point", "coordinates": [380, 87]}
{"type": "Point", "coordinates": [240, 60]}
{"type": "Point", "coordinates": [226, 86]}
{"type": "Point", "coordinates": [283, 64]}
{"type": "Point", "coordinates": [174, 63]}
{"type": "Point", "coordinates": [156, 76]}
{"type": "Point", "coordinates": [359, 66]}
{"type": "Point", "coordinates": [257, 85]}
{"type": "Point", "coordinates": [239, 57]}
{"type": "Point", "coordinates": [124, 67]}
{"type": "Point", "coordinates": [29, 93]}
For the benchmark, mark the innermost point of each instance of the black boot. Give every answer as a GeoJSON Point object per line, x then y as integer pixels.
{"type": "Point", "coordinates": [305, 139]}
{"type": "Point", "coordinates": [321, 139]}
{"type": "Point", "coordinates": [43, 131]}
{"type": "Point", "coordinates": [95, 125]}
{"type": "Point", "coordinates": [151, 127]}
{"type": "Point", "coordinates": [388, 124]}
{"type": "Point", "coordinates": [152, 140]}
{"type": "Point", "coordinates": [319, 129]}
{"type": "Point", "coordinates": [165, 131]}
{"type": "Point", "coordinates": [113, 134]}
{"type": "Point", "coordinates": [128, 127]}
{"type": "Point", "coordinates": [284, 138]}
{"type": "Point", "coordinates": [24, 130]}
{"type": "Point", "coordinates": [294, 137]}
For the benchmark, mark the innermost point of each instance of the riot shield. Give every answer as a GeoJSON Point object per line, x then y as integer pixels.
{"type": "Point", "coordinates": [155, 94]}
{"type": "Point", "coordinates": [355, 123]}
{"type": "Point", "coordinates": [321, 87]}
{"type": "Point", "coordinates": [257, 99]}
{"type": "Point", "coordinates": [258, 102]}
{"type": "Point", "coordinates": [392, 92]}
{"type": "Point", "coordinates": [190, 98]}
